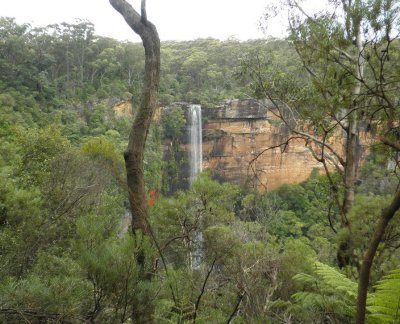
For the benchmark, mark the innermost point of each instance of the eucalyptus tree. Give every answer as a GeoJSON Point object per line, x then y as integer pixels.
{"type": "Point", "coordinates": [16, 56]}
{"type": "Point", "coordinates": [344, 89]}
{"type": "Point", "coordinates": [134, 155]}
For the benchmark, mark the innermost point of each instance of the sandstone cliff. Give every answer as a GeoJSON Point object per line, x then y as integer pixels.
{"type": "Point", "coordinates": [242, 143]}
{"type": "Point", "coordinates": [236, 133]}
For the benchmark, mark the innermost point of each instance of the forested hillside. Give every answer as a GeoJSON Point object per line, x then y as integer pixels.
{"type": "Point", "coordinates": [66, 254]}
{"type": "Point", "coordinates": [66, 63]}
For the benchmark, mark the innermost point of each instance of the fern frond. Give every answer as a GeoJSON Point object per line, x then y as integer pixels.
{"type": "Point", "coordinates": [280, 304]}
{"type": "Point", "coordinates": [328, 291]}
{"type": "Point", "coordinates": [336, 280]}
{"type": "Point", "coordinates": [384, 303]}
{"type": "Point", "coordinates": [305, 279]}
{"type": "Point", "coordinates": [328, 303]}
{"type": "Point", "coordinates": [307, 299]}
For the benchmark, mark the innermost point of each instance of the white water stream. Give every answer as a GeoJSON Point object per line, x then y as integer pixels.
{"type": "Point", "coordinates": [195, 133]}
{"type": "Point", "coordinates": [195, 163]}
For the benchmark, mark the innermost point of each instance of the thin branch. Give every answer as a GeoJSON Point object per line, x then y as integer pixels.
{"type": "Point", "coordinates": [393, 144]}
{"type": "Point", "coordinates": [301, 133]}
{"type": "Point", "coordinates": [324, 157]}
{"type": "Point", "coordinates": [162, 259]}
{"type": "Point", "coordinates": [330, 219]}
{"type": "Point", "coordinates": [144, 13]}
{"type": "Point", "coordinates": [38, 315]}
{"type": "Point", "coordinates": [344, 53]}
{"type": "Point", "coordinates": [173, 239]}
{"type": "Point", "coordinates": [335, 190]}
{"type": "Point", "coordinates": [251, 163]}
{"type": "Point", "coordinates": [203, 288]}
{"type": "Point", "coordinates": [241, 296]}
{"type": "Point", "coordinates": [284, 144]}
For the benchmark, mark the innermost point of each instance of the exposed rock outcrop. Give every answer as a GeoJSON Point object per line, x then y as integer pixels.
{"type": "Point", "coordinates": [236, 133]}
{"type": "Point", "coordinates": [244, 143]}
{"type": "Point", "coordinates": [122, 109]}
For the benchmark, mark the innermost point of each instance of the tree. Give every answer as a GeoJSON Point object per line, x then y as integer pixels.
{"type": "Point", "coordinates": [134, 154]}
{"type": "Point", "coordinates": [347, 86]}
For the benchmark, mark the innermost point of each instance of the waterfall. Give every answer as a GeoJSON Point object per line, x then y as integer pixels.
{"type": "Point", "coordinates": [195, 163]}
{"type": "Point", "coordinates": [196, 154]}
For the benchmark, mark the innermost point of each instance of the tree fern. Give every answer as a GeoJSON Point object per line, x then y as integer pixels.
{"type": "Point", "coordinates": [384, 303]}
{"type": "Point", "coordinates": [336, 280]}
{"type": "Point", "coordinates": [327, 292]}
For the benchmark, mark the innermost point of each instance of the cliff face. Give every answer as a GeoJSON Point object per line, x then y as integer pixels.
{"type": "Point", "coordinates": [242, 144]}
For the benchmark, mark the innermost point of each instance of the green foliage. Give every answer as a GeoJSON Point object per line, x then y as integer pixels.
{"type": "Point", "coordinates": [326, 292]}
{"type": "Point", "coordinates": [370, 207]}
{"type": "Point", "coordinates": [37, 149]}
{"type": "Point", "coordinates": [384, 303]}
{"type": "Point", "coordinates": [21, 225]}
{"type": "Point", "coordinates": [242, 251]}
{"type": "Point", "coordinates": [201, 71]}
{"type": "Point", "coordinates": [220, 242]}
{"type": "Point", "coordinates": [103, 149]}
{"type": "Point", "coordinates": [66, 65]}
{"type": "Point", "coordinates": [153, 160]}
{"type": "Point", "coordinates": [66, 252]}
{"type": "Point", "coordinates": [276, 70]}
{"type": "Point", "coordinates": [173, 122]}
{"type": "Point", "coordinates": [306, 209]}
{"type": "Point", "coordinates": [176, 219]}
{"type": "Point", "coordinates": [378, 176]}
{"type": "Point", "coordinates": [55, 286]}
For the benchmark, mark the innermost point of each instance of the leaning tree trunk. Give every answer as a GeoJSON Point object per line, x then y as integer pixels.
{"type": "Point", "coordinates": [134, 155]}
{"type": "Point", "coordinates": [363, 281]}
{"type": "Point", "coordinates": [142, 310]}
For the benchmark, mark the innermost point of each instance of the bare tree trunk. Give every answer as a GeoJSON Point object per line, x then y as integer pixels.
{"type": "Point", "coordinates": [353, 155]}
{"type": "Point", "coordinates": [142, 310]}
{"type": "Point", "coordinates": [352, 166]}
{"type": "Point", "coordinates": [353, 139]}
{"type": "Point", "coordinates": [352, 149]}
{"type": "Point", "coordinates": [363, 281]}
{"type": "Point", "coordinates": [134, 154]}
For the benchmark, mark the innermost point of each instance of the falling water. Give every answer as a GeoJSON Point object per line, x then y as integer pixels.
{"type": "Point", "coordinates": [195, 162]}
{"type": "Point", "coordinates": [196, 155]}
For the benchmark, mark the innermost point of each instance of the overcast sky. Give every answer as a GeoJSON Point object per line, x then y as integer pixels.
{"type": "Point", "coordinates": [174, 19]}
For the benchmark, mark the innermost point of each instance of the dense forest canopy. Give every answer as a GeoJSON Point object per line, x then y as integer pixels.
{"type": "Point", "coordinates": [65, 252]}
{"type": "Point", "coordinates": [66, 63]}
